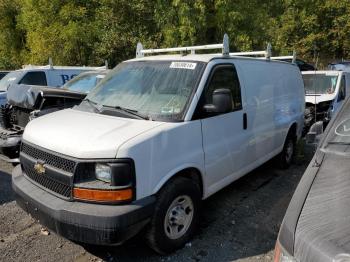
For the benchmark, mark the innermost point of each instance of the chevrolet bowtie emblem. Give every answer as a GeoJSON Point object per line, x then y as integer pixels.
{"type": "Point", "coordinates": [39, 168]}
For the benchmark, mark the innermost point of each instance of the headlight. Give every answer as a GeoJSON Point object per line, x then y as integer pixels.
{"type": "Point", "coordinates": [103, 172]}
{"type": "Point", "coordinates": [108, 182]}
{"type": "Point", "coordinates": [281, 255]}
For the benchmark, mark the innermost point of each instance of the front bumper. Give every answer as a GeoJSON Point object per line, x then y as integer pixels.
{"type": "Point", "coordinates": [82, 222]}
{"type": "Point", "coordinates": [9, 146]}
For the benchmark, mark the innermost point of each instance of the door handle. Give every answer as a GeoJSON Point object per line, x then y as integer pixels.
{"type": "Point", "coordinates": [245, 121]}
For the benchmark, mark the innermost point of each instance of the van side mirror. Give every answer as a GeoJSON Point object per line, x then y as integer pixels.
{"type": "Point", "coordinates": [222, 102]}
{"type": "Point", "coordinates": [316, 130]}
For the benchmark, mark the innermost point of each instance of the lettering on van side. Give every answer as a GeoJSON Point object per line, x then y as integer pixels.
{"type": "Point", "coordinates": [66, 78]}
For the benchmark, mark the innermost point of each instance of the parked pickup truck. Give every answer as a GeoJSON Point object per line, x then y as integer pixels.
{"type": "Point", "coordinates": [26, 102]}
{"type": "Point", "coordinates": [154, 138]}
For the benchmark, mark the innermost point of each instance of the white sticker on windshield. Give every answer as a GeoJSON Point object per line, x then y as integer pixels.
{"type": "Point", "coordinates": [183, 65]}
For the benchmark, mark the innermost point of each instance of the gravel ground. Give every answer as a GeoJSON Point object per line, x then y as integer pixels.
{"type": "Point", "coordinates": [239, 223]}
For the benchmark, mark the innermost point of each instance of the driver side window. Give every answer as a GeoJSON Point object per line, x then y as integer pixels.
{"type": "Point", "coordinates": [221, 77]}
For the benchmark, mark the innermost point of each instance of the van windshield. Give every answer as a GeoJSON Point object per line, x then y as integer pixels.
{"type": "Point", "coordinates": [160, 90]}
{"type": "Point", "coordinates": [82, 83]}
{"type": "Point", "coordinates": [10, 78]}
{"type": "Point", "coordinates": [320, 83]}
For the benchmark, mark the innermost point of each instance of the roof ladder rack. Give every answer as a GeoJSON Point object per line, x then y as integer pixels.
{"type": "Point", "coordinates": [266, 53]}
{"type": "Point", "coordinates": [292, 57]}
{"type": "Point", "coordinates": [141, 52]}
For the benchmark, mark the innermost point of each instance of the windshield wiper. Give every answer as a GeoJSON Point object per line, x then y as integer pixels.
{"type": "Point", "coordinates": [339, 143]}
{"type": "Point", "coordinates": [130, 111]}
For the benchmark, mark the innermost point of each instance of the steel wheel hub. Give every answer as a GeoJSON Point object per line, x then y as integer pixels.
{"type": "Point", "coordinates": [178, 217]}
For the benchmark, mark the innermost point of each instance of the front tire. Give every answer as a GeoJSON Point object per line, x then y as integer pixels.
{"type": "Point", "coordinates": [286, 157]}
{"type": "Point", "coordinates": [175, 217]}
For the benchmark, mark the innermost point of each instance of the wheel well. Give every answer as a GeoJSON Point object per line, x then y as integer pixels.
{"type": "Point", "coordinates": [191, 173]}
{"type": "Point", "coordinates": [293, 130]}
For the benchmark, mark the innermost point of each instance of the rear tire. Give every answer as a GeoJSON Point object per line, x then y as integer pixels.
{"type": "Point", "coordinates": [175, 217]}
{"type": "Point", "coordinates": [286, 157]}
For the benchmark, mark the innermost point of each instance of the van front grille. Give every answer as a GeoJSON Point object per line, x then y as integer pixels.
{"type": "Point", "coordinates": [49, 159]}
{"type": "Point", "coordinates": [47, 182]}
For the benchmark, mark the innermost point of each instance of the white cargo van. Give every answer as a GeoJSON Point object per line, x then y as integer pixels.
{"type": "Point", "coordinates": [154, 138]}
{"type": "Point", "coordinates": [325, 92]}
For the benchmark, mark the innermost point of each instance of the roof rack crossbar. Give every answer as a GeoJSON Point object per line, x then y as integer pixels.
{"type": "Point", "coordinates": [192, 49]}
{"type": "Point", "coordinates": [282, 57]}
{"type": "Point", "coordinates": [292, 57]}
{"type": "Point", "coordinates": [252, 53]}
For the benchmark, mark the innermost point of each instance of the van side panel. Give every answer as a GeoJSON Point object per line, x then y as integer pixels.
{"type": "Point", "coordinates": [162, 152]}
{"type": "Point", "coordinates": [275, 100]}
{"type": "Point", "coordinates": [58, 77]}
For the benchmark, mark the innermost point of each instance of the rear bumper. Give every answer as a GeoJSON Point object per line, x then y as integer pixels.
{"type": "Point", "coordinates": [82, 222]}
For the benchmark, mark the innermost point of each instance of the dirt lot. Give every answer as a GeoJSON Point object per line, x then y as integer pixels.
{"type": "Point", "coordinates": [240, 223]}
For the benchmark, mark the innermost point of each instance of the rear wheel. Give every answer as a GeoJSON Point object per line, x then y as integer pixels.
{"type": "Point", "coordinates": [287, 155]}
{"type": "Point", "coordinates": [176, 215]}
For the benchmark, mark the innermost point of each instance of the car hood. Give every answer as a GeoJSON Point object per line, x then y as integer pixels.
{"type": "Point", "coordinates": [83, 134]}
{"type": "Point", "coordinates": [319, 98]}
{"type": "Point", "coordinates": [323, 229]}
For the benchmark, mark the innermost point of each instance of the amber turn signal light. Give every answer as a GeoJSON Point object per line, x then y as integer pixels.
{"type": "Point", "coordinates": [102, 195]}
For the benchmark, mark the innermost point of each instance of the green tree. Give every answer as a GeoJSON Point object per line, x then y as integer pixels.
{"type": "Point", "coordinates": [11, 38]}
{"type": "Point", "coordinates": [314, 26]}
{"type": "Point", "coordinates": [62, 29]}
{"type": "Point", "coordinates": [121, 25]}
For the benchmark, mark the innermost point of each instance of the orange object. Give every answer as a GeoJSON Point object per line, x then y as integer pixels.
{"type": "Point", "coordinates": [277, 253]}
{"type": "Point", "coordinates": [102, 195]}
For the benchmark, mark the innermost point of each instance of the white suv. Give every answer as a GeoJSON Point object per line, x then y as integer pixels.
{"type": "Point", "coordinates": [154, 138]}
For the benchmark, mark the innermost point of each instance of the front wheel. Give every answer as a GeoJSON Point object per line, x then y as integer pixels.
{"type": "Point", "coordinates": [287, 155]}
{"type": "Point", "coordinates": [175, 217]}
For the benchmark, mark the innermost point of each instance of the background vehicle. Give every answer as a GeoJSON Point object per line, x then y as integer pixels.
{"type": "Point", "coordinates": [303, 66]}
{"type": "Point", "coordinates": [316, 224]}
{"type": "Point", "coordinates": [26, 102]}
{"type": "Point", "coordinates": [3, 73]}
{"type": "Point", "coordinates": [49, 75]}
{"type": "Point", "coordinates": [325, 92]}
{"type": "Point", "coordinates": [340, 66]}
{"type": "Point", "coordinates": [132, 155]}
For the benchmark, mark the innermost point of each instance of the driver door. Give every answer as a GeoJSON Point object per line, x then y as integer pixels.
{"type": "Point", "coordinates": [224, 135]}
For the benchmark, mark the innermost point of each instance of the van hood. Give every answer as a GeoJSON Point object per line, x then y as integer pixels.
{"type": "Point", "coordinates": [323, 229]}
{"type": "Point", "coordinates": [311, 98]}
{"type": "Point", "coordinates": [83, 134]}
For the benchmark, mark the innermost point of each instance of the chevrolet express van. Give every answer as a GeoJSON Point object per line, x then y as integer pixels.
{"type": "Point", "coordinates": [325, 92]}
{"type": "Point", "coordinates": [156, 136]}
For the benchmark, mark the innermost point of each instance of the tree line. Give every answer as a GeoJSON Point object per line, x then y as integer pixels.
{"type": "Point", "coordinates": [88, 32]}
